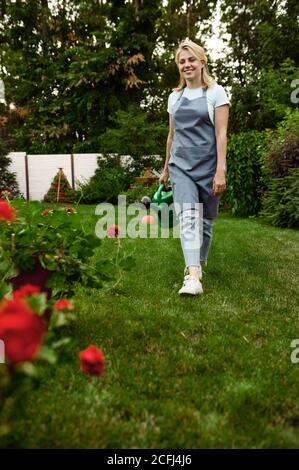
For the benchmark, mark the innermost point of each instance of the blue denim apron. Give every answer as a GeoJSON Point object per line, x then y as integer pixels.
{"type": "Point", "coordinates": [193, 155]}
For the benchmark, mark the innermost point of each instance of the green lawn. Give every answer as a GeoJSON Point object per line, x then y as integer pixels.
{"type": "Point", "coordinates": [205, 372]}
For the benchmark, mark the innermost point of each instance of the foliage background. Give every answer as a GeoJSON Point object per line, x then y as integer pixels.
{"type": "Point", "coordinates": [70, 66]}
{"type": "Point", "coordinates": [94, 76]}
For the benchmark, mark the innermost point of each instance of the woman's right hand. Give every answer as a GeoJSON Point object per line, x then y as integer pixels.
{"type": "Point", "coordinates": [164, 178]}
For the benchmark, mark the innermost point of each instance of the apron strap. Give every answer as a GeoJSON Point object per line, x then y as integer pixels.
{"type": "Point", "coordinates": [181, 94]}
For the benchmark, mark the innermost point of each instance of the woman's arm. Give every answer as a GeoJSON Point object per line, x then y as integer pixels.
{"type": "Point", "coordinates": [221, 122]}
{"type": "Point", "coordinates": [165, 175]}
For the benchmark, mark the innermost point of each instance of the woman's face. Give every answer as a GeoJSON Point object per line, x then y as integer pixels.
{"type": "Point", "coordinates": [189, 66]}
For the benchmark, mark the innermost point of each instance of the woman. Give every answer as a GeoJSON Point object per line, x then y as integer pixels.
{"type": "Point", "coordinates": [196, 157]}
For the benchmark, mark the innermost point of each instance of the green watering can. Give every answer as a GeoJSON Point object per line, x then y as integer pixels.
{"type": "Point", "coordinates": [162, 199]}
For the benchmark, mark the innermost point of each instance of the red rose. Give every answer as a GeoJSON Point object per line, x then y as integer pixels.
{"type": "Point", "coordinates": [46, 211]}
{"type": "Point", "coordinates": [92, 360]}
{"type": "Point", "coordinates": [7, 212]}
{"type": "Point", "coordinates": [21, 330]}
{"type": "Point", "coordinates": [25, 291]}
{"type": "Point", "coordinates": [63, 304]}
{"type": "Point", "coordinates": [113, 231]}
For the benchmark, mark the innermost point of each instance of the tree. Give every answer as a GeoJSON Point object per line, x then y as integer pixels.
{"type": "Point", "coordinates": [8, 180]}
{"type": "Point", "coordinates": [263, 60]}
{"type": "Point", "coordinates": [70, 67]}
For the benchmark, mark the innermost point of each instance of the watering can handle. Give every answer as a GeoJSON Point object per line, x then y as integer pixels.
{"type": "Point", "coordinates": [159, 192]}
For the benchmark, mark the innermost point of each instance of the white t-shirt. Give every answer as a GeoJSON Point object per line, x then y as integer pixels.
{"type": "Point", "coordinates": [216, 96]}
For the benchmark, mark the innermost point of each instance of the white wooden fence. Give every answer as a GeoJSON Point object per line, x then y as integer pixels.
{"type": "Point", "coordinates": [35, 173]}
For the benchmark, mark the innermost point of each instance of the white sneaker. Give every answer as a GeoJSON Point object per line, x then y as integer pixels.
{"type": "Point", "coordinates": [191, 286]}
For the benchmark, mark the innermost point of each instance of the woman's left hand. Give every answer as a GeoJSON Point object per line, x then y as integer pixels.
{"type": "Point", "coordinates": [219, 183]}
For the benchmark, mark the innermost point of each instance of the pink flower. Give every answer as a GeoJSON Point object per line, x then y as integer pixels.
{"type": "Point", "coordinates": [63, 304]}
{"type": "Point", "coordinates": [7, 212]}
{"type": "Point", "coordinates": [92, 360]}
{"type": "Point", "coordinates": [25, 291]}
{"type": "Point", "coordinates": [148, 220]}
{"type": "Point", "coordinates": [113, 231]}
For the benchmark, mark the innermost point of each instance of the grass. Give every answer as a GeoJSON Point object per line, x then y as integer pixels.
{"type": "Point", "coordinates": [212, 371]}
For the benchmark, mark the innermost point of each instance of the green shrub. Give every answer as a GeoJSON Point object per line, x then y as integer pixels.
{"type": "Point", "coordinates": [281, 206]}
{"type": "Point", "coordinates": [245, 185]}
{"type": "Point", "coordinates": [61, 191]}
{"type": "Point", "coordinates": [139, 190]}
{"type": "Point", "coordinates": [281, 201]}
{"type": "Point", "coordinates": [285, 158]}
{"type": "Point", "coordinates": [110, 179]}
{"type": "Point", "coordinates": [133, 133]}
{"type": "Point", "coordinates": [283, 146]}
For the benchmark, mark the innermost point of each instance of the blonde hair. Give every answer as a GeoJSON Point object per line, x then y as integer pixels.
{"type": "Point", "coordinates": [199, 53]}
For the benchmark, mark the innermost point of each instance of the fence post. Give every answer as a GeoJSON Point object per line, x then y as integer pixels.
{"type": "Point", "coordinates": [27, 177]}
{"type": "Point", "coordinates": [73, 170]}
{"type": "Point", "coordinates": [2, 352]}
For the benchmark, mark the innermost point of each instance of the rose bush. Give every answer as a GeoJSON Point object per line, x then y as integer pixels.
{"type": "Point", "coordinates": [51, 244]}
{"type": "Point", "coordinates": [29, 338]}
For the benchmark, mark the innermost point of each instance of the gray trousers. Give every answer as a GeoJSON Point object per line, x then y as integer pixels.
{"type": "Point", "coordinates": [196, 236]}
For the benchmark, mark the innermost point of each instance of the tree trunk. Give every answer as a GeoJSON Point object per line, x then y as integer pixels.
{"type": "Point", "coordinates": [137, 4]}
{"type": "Point", "coordinates": [44, 24]}
{"type": "Point", "coordinates": [2, 9]}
